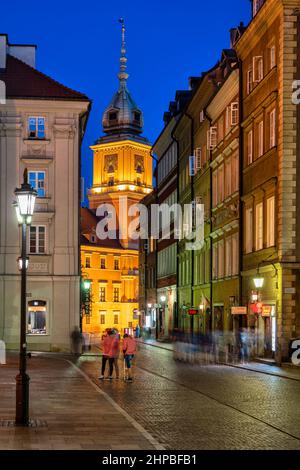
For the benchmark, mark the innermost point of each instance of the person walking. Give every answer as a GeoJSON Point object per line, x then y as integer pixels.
{"type": "Point", "coordinates": [129, 351]}
{"type": "Point", "coordinates": [106, 348]}
{"type": "Point", "coordinates": [114, 355]}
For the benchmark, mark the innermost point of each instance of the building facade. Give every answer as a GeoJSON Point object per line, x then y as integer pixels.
{"type": "Point", "coordinates": [122, 176]}
{"type": "Point", "coordinates": [41, 128]}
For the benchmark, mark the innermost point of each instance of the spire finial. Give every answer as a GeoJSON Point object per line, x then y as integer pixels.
{"type": "Point", "coordinates": [123, 60]}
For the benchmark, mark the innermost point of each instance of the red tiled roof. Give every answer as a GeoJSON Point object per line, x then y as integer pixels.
{"type": "Point", "coordinates": [23, 81]}
{"type": "Point", "coordinates": [88, 224]}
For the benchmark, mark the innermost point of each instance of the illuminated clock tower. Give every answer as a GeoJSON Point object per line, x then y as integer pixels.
{"type": "Point", "coordinates": [122, 160]}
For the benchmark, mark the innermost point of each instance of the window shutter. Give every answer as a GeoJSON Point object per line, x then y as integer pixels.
{"type": "Point", "coordinates": [234, 113]}
{"type": "Point", "coordinates": [212, 137]}
{"type": "Point", "coordinates": [258, 69]}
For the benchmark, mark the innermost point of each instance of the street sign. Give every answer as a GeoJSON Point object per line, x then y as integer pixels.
{"type": "Point", "coordinates": [238, 310]}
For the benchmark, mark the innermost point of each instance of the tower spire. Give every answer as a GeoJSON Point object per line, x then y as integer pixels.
{"type": "Point", "coordinates": [123, 75]}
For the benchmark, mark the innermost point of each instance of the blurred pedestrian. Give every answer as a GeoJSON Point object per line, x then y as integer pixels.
{"type": "Point", "coordinates": [106, 348]}
{"type": "Point", "coordinates": [114, 355]}
{"type": "Point", "coordinates": [129, 351]}
{"type": "Point", "coordinates": [76, 338]}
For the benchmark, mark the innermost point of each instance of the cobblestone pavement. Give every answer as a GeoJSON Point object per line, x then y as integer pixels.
{"type": "Point", "coordinates": [68, 412]}
{"type": "Point", "coordinates": [206, 407]}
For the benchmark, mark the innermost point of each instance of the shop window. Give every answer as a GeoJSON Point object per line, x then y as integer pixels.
{"type": "Point", "coordinates": [37, 317]}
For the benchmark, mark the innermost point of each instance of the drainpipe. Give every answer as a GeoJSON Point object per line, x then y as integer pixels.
{"type": "Point", "coordinates": [241, 163]}
{"type": "Point", "coordinates": [192, 198]}
{"type": "Point", "coordinates": [177, 244]}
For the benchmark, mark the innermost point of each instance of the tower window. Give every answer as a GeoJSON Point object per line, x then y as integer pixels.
{"type": "Point", "coordinates": [137, 117]}
{"type": "Point", "coordinates": [113, 116]}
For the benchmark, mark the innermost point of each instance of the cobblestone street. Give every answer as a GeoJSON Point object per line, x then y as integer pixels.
{"type": "Point", "coordinates": [206, 407]}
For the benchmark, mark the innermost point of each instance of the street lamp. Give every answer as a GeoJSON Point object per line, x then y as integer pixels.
{"type": "Point", "coordinates": [259, 281]}
{"type": "Point", "coordinates": [87, 284]}
{"type": "Point", "coordinates": [24, 205]}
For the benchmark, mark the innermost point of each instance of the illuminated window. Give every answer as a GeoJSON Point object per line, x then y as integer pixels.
{"type": "Point", "coordinates": [259, 226]}
{"type": "Point", "coordinates": [37, 317]}
{"type": "Point", "coordinates": [270, 221]}
{"type": "Point", "coordinates": [102, 294]}
{"type": "Point", "coordinates": [116, 294]}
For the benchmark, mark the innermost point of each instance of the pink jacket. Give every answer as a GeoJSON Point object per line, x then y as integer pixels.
{"type": "Point", "coordinates": [107, 341]}
{"type": "Point", "coordinates": [129, 346]}
{"type": "Point", "coordinates": [114, 347]}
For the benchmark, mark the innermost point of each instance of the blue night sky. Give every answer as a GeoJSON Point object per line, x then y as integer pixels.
{"type": "Point", "coordinates": [167, 41]}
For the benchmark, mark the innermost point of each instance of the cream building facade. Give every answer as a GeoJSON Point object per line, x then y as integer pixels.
{"type": "Point", "coordinates": [41, 128]}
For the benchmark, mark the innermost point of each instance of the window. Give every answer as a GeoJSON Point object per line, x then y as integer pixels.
{"type": "Point", "coordinates": [235, 172]}
{"type": "Point", "coordinates": [102, 294]}
{"type": "Point", "coordinates": [102, 263]}
{"type": "Point", "coordinates": [37, 239]}
{"type": "Point", "coordinates": [220, 259]}
{"type": "Point", "coordinates": [36, 127]}
{"type": "Point", "coordinates": [234, 113]}
{"type": "Point", "coordinates": [249, 230]}
{"type": "Point", "coordinates": [249, 81]}
{"type": "Point", "coordinates": [198, 158]}
{"type": "Point", "coordinates": [116, 297]}
{"type": "Point", "coordinates": [117, 264]}
{"type": "Point", "coordinates": [87, 261]}
{"type": "Point", "coordinates": [116, 318]}
{"type": "Point", "coordinates": [250, 147]}
{"type": "Point", "coordinates": [202, 116]}
{"type": "Point", "coordinates": [102, 318]}
{"type": "Point", "coordinates": [113, 116]}
{"type": "Point", "coordinates": [228, 257]}
{"type": "Point", "coordinates": [37, 181]}
{"type": "Point", "coordinates": [258, 69]}
{"type": "Point", "coordinates": [228, 177]}
{"type": "Point", "coordinates": [272, 56]}
{"type": "Point", "coordinates": [272, 128]}
{"type": "Point", "coordinates": [220, 129]}
{"type": "Point", "coordinates": [111, 181]}
{"type": "Point", "coordinates": [270, 221]}
{"type": "Point", "coordinates": [37, 317]}
{"type": "Point", "coordinates": [259, 226]}
{"type": "Point", "coordinates": [212, 135]}
{"type": "Point", "coordinates": [137, 117]}
{"type": "Point", "coordinates": [235, 254]}
{"type": "Point", "coordinates": [215, 188]}
{"type": "Point", "coordinates": [227, 120]}
{"type": "Point", "coordinates": [260, 140]}
{"type": "Point", "coordinates": [221, 184]}
{"type": "Point", "coordinates": [215, 261]}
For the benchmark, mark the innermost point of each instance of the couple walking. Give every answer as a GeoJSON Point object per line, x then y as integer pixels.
{"type": "Point", "coordinates": [111, 352]}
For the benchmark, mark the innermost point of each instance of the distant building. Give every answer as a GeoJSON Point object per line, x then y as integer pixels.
{"type": "Point", "coordinates": [122, 174]}
{"type": "Point", "coordinates": [42, 124]}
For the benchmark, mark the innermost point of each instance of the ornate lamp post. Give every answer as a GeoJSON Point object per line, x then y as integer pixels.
{"type": "Point", "coordinates": [24, 205]}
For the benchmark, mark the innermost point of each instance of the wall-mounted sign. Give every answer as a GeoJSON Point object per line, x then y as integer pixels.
{"type": "Point", "coordinates": [238, 310]}
{"type": "Point", "coordinates": [266, 310]}
{"type": "Point", "coordinates": [193, 311]}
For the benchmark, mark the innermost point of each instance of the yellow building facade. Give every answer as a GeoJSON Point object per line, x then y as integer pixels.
{"type": "Point", "coordinates": [122, 176]}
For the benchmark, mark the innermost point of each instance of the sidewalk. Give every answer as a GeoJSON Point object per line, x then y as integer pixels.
{"type": "Point", "coordinates": [68, 410]}
{"type": "Point", "coordinates": [286, 371]}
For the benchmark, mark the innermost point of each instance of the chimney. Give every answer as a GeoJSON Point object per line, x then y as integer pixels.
{"type": "Point", "coordinates": [3, 51]}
